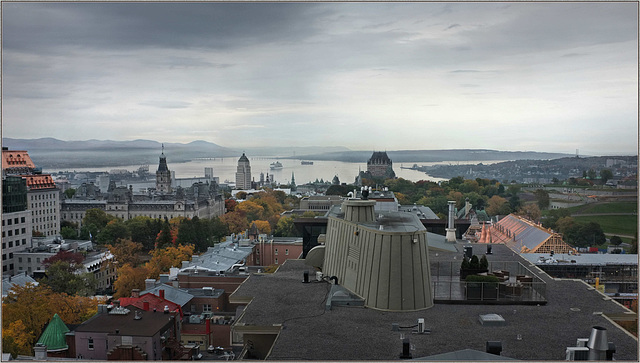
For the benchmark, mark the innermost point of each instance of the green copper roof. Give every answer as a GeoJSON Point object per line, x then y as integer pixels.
{"type": "Point", "coordinates": [54, 335]}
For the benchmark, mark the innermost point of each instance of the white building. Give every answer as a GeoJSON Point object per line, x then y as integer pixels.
{"type": "Point", "coordinates": [243, 173]}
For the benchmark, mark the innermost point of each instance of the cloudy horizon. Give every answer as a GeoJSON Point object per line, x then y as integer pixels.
{"type": "Point", "coordinates": [548, 77]}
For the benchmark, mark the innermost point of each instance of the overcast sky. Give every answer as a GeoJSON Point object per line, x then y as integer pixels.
{"type": "Point", "coordinates": [552, 77]}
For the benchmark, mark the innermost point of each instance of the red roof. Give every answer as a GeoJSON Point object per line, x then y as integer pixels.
{"type": "Point", "coordinates": [39, 181]}
{"type": "Point", "coordinates": [154, 302]}
{"type": "Point", "coordinates": [16, 159]}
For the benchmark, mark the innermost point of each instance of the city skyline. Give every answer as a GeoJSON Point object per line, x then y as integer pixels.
{"type": "Point", "coordinates": [548, 77]}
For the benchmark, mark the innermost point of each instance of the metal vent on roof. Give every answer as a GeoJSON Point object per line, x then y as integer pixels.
{"type": "Point", "coordinates": [492, 320]}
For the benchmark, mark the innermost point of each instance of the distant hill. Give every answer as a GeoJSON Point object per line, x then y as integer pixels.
{"type": "Point", "coordinates": [50, 153]}
{"type": "Point", "coordinates": [414, 156]}
{"type": "Point", "coordinates": [54, 153]}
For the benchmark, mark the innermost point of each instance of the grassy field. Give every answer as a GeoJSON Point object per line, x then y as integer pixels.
{"type": "Point", "coordinates": [613, 207]}
{"type": "Point", "coordinates": [624, 225]}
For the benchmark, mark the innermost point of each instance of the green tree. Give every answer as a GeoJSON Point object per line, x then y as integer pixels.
{"type": "Point", "coordinates": [591, 174]}
{"type": "Point", "coordinates": [114, 230]}
{"type": "Point", "coordinates": [142, 230]}
{"type": "Point", "coordinates": [65, 277]}
{"type": "Point", "coordinates": [605, 175]}
{"type": "Point", "coordinates": [69, 193]}
{"type": "Point", "coordinates": [285, 227]}
{"type": "Point", "coordinates": [615, 240]}
{"type": "Point", "coordinates": [542, 198]}
{"type": "Point", "coordinates": [68, 233]}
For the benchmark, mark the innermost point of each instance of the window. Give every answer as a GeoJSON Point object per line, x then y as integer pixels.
{"type": "Point", "coordinates": [10, 233]}
{"type": "Point", "coordinates": [24, 241]}
{"type": "Point", "coordinates": [276, 252]}
{"type": "Point", "coordinates": [24, 230]}
{"type": "Point", "coordinates": [10, 255]}
{"type": "Point", "coordinates": [9, 222]}
{"type": "Point", "coordinates": [206, 308]}
{"type": "Point", "coordinates": [10, 244]}
{"type": "Point", "coordinates": [38, 260]}
{"type": "Point", "coordinates": [15, 220]}
{"type": "Point", "coordinates": [4, 268]}
{"type": "Point", "coordinates": [4, 245]}
{"type": "Point", "coordinates": [286, 252]}
{"type": "Point", "coordinates": [29, 259]}
{"type": "Point", "coordinates": [276, 261]}
{"type": "Point", "coordinates": [19, 259]}
{"type": "Point", "coordinates": [4, 257]}
{"type": "Point", "coordinates": [90, 345]}
{"type": "Point", "coordinates": [22, 220]}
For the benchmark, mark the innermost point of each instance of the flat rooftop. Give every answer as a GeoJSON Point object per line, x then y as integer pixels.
{"type": "Point", "coordinates": [356, 333]}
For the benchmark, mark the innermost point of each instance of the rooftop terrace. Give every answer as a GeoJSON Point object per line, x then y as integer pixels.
{"type": "Point", "coordinates": [295, 311]}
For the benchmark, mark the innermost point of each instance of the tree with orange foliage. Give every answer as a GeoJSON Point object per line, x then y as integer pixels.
{"type": "Point", "coordinates": [125, 251]}
{"type": "Point", "coordinates": [263, 226]}
{"type": "Point", "coordinates": [27, 309]}
{"type": "Point", "coordinates": [129, 278]}
{"type": "Point", "coordinates": [235, 221]}
{"type": "Point", "coordinates": [252, 210]}
{"type": "Point", "coordinates": [162, 259]}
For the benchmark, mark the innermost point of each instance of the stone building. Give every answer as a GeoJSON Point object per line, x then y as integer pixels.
{"type": "Point", "coordinates": [16, 221]}
{"type": "Point", "coordinates": [380, 166]}
{"type": "Point", "coordinates": [163, 175]}
{"type": "Point", "coordinates": [202, 200]}
{"type": "Point", "coordinates": [42, 194]}
{"type": "Point", "coordinates": [243, 173]}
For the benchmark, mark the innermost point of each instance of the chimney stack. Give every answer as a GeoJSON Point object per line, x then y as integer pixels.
{"type": "Point", "coordinates": [598, 344]}
{"type": "Point", "coordinates": [135, 293]}
{"type": "Point", "coordinates": [161, 292]}
{"type": "Point", "coordinates": [145, 305]}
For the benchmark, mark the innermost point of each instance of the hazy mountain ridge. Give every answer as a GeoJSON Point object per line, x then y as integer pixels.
{"type": "Point", "coordinates": [411, 156]}
{"type": "Point", "coordinates": [54, 153]}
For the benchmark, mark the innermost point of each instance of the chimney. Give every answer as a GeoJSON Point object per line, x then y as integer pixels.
{"type": "Point", "coordinates": [166, 309]}
{"type": "Point", "coordinates": [135, 293]}
{"type": "Point", "coordinates": [40, 351]}
{"type": "Point", "coordinates": [116, 303]}
{"type": "Point", "coordinates": [149, 284]}
{"type": "Point", "coordinates": [598, 344]}
{"type": "Point", "coordinates": [208, 325]}
{"type": "Point", "coordinates": [145, 305]}
{"type": "Point", "coordinates": [161, 292]}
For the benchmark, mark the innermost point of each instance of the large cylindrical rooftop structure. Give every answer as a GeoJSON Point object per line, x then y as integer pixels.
{"type": "Point", "coordinates": [381, 258]}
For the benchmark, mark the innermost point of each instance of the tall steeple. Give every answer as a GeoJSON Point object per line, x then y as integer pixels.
{"type": "Point", "coordinates": [293, 182]}
{"type": "Point", "coordinates": [163, 175]}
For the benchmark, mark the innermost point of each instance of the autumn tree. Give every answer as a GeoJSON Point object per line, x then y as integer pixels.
{"type": "Point", "coordinates": [251, 210]}
{"type": "Point", "coordinates": [129, 278]}
{"type": "Point", "coordinates": [235, 221]}
{"type": "Point", "coordinates": [162, 259]}
{"type": "Point", "coordinates": [263, 226]}
{"type": "Point", "coordinates": [531, 211]}
{"type": "Point", "coordinates": [125, 251]}
{"type": "Point", "coordinates": [498, 205]}
{"type": "Point", "coordinates": [27, 309]}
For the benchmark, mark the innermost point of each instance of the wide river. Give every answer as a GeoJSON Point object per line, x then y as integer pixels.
{"type": "Point", "coordinates": [225, 169]}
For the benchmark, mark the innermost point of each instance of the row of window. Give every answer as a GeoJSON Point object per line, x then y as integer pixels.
{"type": "Point", "coordinates": [41, 212]}
{"type": "Point", "coordinates": [4, 256]}
{"type": "Point", "coordinates": [17, 242]}
{"type": "Point", "coordinates": [43, 204]}
{"type": "Point", "coordinates": [15, 220]}
{"type": "Point", "coordinates": [42, 196]}
{"type": "Point", "coordinates": [6, 268]}
{"type": "Point", "coordinates": [28, 259]}
{"type": "Point", "coordinates": [16, 232]}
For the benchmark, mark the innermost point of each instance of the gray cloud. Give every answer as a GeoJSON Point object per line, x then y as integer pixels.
{"type": "Point", "coordinates": [258, 71]}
